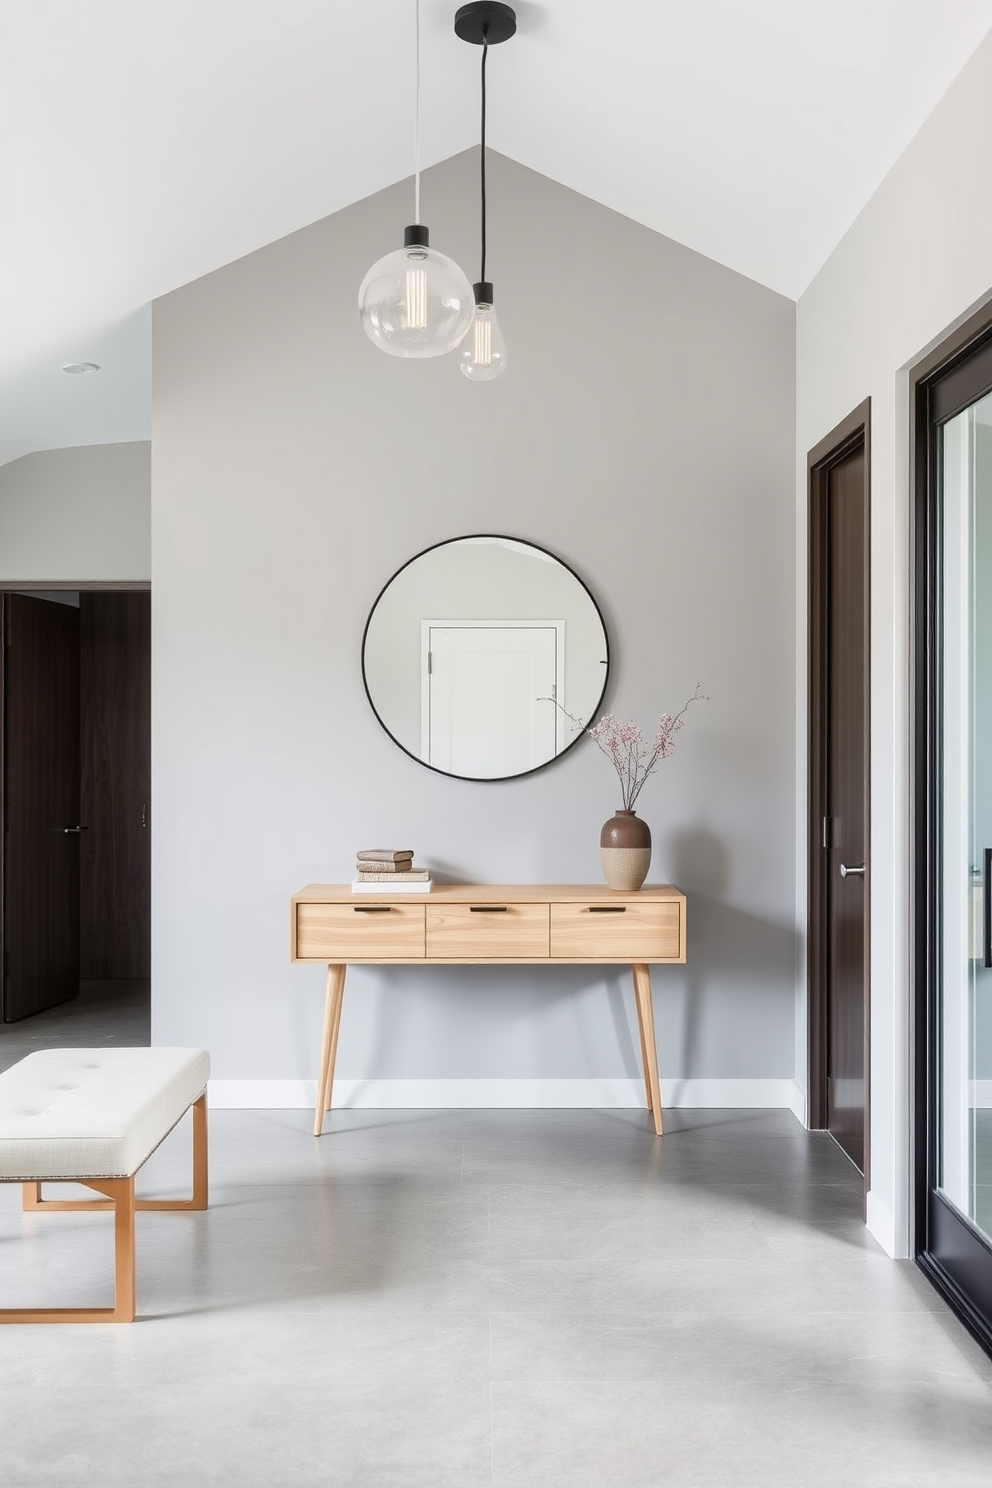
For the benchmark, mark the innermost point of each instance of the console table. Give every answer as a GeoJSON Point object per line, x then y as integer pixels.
{"type": "Point", "coordinates": [488, 925]}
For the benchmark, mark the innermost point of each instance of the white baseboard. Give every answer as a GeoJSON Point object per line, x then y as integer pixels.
{"type": "Point", "coordinates": [880, 1223]}
{"type": "Point", "coordinates": [507, 1094]}
{"type": "Point", "coordinates": [980, 1092]}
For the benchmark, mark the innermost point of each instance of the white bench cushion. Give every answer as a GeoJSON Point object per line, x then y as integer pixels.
{"type": "Point", "coordinates": [93, 1113]}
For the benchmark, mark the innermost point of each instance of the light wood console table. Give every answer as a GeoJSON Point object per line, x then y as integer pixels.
{"type": "Point", "coordinates": [488, 925]}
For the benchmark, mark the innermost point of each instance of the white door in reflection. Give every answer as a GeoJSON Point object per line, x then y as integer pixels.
{"type": "Point", "coordinates": [966, 816]}
{"type": "Point", "coordinates": [487, 691]}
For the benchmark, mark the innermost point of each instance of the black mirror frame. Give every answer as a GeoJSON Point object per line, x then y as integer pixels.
{"type": "Point", "coordinates": [524, 542]}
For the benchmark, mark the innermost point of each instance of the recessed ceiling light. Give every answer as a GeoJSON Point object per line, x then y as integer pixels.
{"type": "Point", "coordinates": [79, 367]}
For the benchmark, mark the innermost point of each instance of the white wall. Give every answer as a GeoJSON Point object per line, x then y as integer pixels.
{"type": "Point", "coordinates": [916, 261]}
{"type": "Point", "coordinates": [645, 433]}
{"type": "Point", "coordinates": [81, 515]}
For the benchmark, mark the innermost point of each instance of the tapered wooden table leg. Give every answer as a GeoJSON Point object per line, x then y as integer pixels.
{"type": "Point", "coordinates": [338, 1005]}
{"type": "Point", "coordinates": [649, 1051]}
{"type": "Point", "coordinates": [333, 999]}
{"type": "Point", "coordinates": [644, 1055]}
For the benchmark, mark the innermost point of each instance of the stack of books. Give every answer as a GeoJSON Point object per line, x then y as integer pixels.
{"type": "Point", "coordinates": [388, 870]}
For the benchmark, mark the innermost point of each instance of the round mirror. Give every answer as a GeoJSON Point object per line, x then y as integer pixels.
{"type": "Point", "coordinates": [485, 657]}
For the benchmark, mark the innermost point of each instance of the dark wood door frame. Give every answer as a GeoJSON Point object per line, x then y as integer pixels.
{"type": "Point", "coordinates": [12, 586]}
{"type": "Point", "coordinates": [941, 384]}
{"type": "Point", "coordinates": [850, 434]}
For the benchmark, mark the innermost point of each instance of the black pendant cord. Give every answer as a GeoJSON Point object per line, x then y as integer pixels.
{"type": "Point", "coordinates": [485, 52]}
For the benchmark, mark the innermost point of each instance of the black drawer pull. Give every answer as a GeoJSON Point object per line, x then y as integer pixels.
{"type": "Point", "coordinates": [372, 908]}
{"type": "Point", "coordinates": [607, 909]}
{"type": "Point", "coordinates": [487, 909]}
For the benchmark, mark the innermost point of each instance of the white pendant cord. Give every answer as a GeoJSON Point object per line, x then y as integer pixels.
{"type": "Point", "coordinates": [416, 131]}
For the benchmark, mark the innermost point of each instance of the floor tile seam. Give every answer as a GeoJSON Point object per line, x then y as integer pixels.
{"type": "Point", "coordinates": [690, 1313]}
{"type": "Point", "coordinates": [745, 1386]}
{"type": "Point", "coordinates": [699, 1316]}
{"type": "Point", "coordinates": [840, 1376]}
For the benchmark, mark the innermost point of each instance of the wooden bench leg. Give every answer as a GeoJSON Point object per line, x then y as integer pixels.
{"type": "Point", "coordinates": [649, 1050]}
{"type": "Point", "coordinates": [333, 1002]}
{"type": "Point", "coordinates": [200, 1167]}
{"type": "Point", "coordinates": [119, 1193]}
{"type": "Point", "coordinates": [118, 1196]}
{"type": "Point", "coordinates": [199, 1199]}
{"type": "Point", "coordinates": [124, 1299]}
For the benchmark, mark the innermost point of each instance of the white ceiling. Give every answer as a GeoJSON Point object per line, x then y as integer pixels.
{"type": "Point", "coordinates": [145, 142]}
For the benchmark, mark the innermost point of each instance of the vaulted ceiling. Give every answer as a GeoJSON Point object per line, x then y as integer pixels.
{"type": "Point", "coordinates": [146, 142]}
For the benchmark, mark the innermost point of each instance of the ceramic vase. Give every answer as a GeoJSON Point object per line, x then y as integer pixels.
{"type": "Point", "coordinates": [625, 851]}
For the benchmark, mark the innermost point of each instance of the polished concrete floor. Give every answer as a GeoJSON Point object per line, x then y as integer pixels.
{"type": "Point", "coordinates": [104, 1014]}
{"type": "Point", "coordinates": [548, 1299]}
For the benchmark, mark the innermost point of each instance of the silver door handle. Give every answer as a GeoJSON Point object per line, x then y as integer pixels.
{"type": "Point", "coordinates": [74, 830]}
{"type": "Point", "coordinates": [846, 872]}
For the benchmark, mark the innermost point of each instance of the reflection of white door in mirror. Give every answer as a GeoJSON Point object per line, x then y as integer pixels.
{"type": "Point", "coordinates": [487, 690]}
{"type": "Point", "coordinates": [492, 726]}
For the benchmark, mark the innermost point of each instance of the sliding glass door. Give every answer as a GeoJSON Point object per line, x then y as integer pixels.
{"type": "Point", "coordinates": [953, 808]}
{"type": "Point", "coordinates": [965, 1006]}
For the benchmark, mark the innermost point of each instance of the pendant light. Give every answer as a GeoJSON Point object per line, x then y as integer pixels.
{"type": "Point", "coordinates": [483, 353]}
{"type": "Point", "coordinates": [415, 302]}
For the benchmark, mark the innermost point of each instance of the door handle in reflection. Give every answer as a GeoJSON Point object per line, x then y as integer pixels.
{"type": "Point", "coordinates": [846, 872]}
{"type": "Point", "coordinates": [987, 902]}
{"type": "Point", "coordinates": [74, 831]}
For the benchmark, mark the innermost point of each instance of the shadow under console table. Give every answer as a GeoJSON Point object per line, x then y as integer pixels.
{"type": "Point", "coordinates": [488, 925]}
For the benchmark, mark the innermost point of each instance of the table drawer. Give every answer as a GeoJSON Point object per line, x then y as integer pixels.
{"type": "Point", "coordinates": [355, 932]}
{"type": "Point", "coordinates": [626, 930]}
{"type": "Point", "coordinates": [489, 929]}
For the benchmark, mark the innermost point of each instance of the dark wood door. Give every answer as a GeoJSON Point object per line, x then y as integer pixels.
{"type": "Point", "coordinates": [115, 730]}
{"type": "Point", "coordinates": [41, 803]}
{"type": "Point", "coordinates": [846, 769]}
{"type": "Point", "coordinates": [839, 786]}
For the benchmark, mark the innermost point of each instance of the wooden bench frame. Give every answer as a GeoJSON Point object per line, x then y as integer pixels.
{"type": "Point", "coordinates": [119, 1197]}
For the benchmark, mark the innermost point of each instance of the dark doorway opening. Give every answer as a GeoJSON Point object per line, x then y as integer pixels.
{"type": "Point", "coordinates": [839, 867]}
{"type": "Point", "coordinates": [75, 782]}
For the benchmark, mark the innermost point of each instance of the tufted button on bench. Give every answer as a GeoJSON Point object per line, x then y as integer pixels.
{"type": "Point", "coordinates": [94, 1116]}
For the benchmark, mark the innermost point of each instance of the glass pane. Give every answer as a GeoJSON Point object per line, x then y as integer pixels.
{"type": "Point", "coordinates": [965, 1176]}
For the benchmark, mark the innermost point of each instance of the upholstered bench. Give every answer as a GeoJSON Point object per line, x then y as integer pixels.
{"type": "Point", "coordinates": [94, 1116]}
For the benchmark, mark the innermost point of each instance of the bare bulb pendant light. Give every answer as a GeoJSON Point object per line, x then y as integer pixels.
{"type": "Point", "coordinates": [483, 351]}
{"type": "Point", "coordinates": [415, 302]}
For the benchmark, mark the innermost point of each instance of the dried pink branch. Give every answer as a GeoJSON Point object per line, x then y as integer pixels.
{"type": "Point", "coordinates": [628, 750]}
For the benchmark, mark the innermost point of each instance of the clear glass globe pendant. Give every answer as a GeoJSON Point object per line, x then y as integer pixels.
{"type": "Point", "coordinates": [416, 302]}
{"type": "Point", "coordinates": [483, 353]}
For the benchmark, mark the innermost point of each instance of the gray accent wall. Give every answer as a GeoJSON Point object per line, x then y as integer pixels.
{"type": "Point", "coordinates": [644, 432]}
{"type": "Point", "coordinates": [81, 514]}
